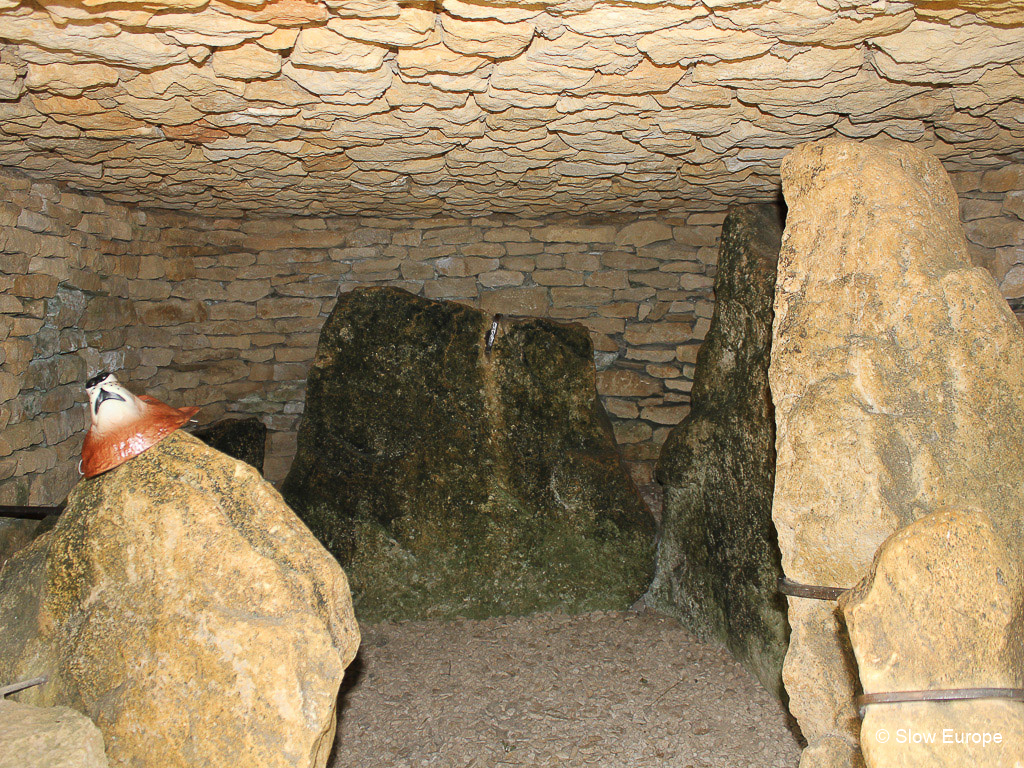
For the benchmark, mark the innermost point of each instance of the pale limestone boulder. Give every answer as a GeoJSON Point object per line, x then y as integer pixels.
{"type": "Point", "coordinates": [182, 606]}
{"type": "Point", "coordinates": [942, 608]}
{"type": "Point", "coordinates": [48, 737]}
{"type": "Point", "coordinates": [896, 381]}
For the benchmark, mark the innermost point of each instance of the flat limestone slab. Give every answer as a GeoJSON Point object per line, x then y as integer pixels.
{"type": "Point", "coordinates": [897, 380]}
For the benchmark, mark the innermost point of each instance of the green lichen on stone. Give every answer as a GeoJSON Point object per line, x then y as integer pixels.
{"type": "Point", "coordinates": [718, 558]}
{"type": "Point", "coordinates": [454, 481]}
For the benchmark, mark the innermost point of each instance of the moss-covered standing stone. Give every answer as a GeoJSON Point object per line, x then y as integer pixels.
{"type": "Point", "coordinates": [452, 480]}
{"type": "Point", "coordinates": [718, 559]}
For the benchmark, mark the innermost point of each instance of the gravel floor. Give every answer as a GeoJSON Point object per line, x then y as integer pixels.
{"type": "Point", "coordinates": [605, 689]}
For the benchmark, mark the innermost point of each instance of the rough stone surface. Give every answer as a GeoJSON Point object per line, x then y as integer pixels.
{"type": "Point", "coordinates": [718, 556]}
{"type": "Point", "coordinates": [896, 381]}
{"type": "Point", "coordinates": [455, 482]}
{"type": "Point", "coordinates": [556, 107]}
{"type": "Point", "coordinates": [242, 439]}
{"type": "Point", "coordinates": [942, 608]}
{"type": "Point", "coordinates": [48, 737]}
{"type": "Point", "coordinates": [183, 607]}
{"type": "Point", "coordinates": [15, 535]}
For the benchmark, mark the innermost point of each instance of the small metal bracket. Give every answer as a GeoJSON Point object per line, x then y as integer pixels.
{"type": "Point", "coordinates": [492, 334]}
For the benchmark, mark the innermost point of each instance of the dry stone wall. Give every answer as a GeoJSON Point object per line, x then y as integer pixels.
{"type": "Point", "coordinates": [247, 317]}
{"type": "Point", "coordinates": [328, 107]}
{"type": "Point", "coordinates": [65, 264]}
{"type": "Point", "coordinates": [224, 312]}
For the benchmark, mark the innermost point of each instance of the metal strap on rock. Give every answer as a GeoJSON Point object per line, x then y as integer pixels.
{"type": "Point", "coordinates": [953, 694]}
{"type": "Point", "coordinates": [7, 690]}
{"type": "Point", "coordinates": [796, 589]}
{"type": "Point", "coordinates": [20, 512]}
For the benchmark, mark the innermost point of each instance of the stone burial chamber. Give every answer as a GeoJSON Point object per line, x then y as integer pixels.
{"type": "Point", "coordinates": [542, 306]}
{"type": "Point", "coordinates": [459, 464]}
{"type": "Point", "coordinates": [896, 374]}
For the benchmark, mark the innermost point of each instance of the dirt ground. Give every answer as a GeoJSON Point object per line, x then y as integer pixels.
{"type": "Point", "coordinates": [607, 689]}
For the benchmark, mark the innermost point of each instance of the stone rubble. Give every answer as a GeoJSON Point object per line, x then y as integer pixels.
{"type": "Point", "coordinates": [372, 107]}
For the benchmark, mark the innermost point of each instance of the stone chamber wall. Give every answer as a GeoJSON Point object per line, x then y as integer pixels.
{"type": "Point", "coordinates": [225, 313]}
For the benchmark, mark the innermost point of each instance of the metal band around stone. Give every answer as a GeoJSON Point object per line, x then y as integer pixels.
{"type": "Point", "coordinates": [953, 694]}
{"type": "Point", "coordinates": [21, 512]}
{"type": "Point", "coordinates": [7, 690]}
{"type": "Point", "coordinates": [810, 591]}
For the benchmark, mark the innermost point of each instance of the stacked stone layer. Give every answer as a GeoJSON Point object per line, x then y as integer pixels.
{"type": "Point", "coordinates": [555, 107]}
{"type": "Point", "coordinates": [224, 313]}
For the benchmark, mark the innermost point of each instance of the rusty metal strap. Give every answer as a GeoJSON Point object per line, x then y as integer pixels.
{"type": "Point", "coordinates": [796, 589]}
{"type": "Point", "coordinates": [20, 512]}
{"type": "Point", "coordinates": [6, 690]}
{"type": "Point", "coordinates": [953, 694]}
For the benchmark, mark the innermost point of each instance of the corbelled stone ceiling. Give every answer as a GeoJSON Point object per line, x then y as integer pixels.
{"type": "Point", "coordinates": [575, 107]}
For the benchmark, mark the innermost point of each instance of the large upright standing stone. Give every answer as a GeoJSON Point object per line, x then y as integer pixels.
{"type": "Point", "coordinates": [453, 478]}
{"type": "Point", "coordinates": [718, 558]}
{"type": "Point", "coordinates": [897, 381]}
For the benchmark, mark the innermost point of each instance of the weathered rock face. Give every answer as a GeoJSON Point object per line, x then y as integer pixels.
{"type": "Point", "coordinates": [48, 737]}
{"type": "Point", "coordinates": [896, 381]}
{"type": "Point", "coordinates": [450, 480]}
{"type": "Point", "coordinates": [242, 439]}
{"type": "Point", "coordinates": [942, 608]}
{"type": "Point", "coordinates": [718, 559]}
{"type": "Point", "coordinates": [186, 610]}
